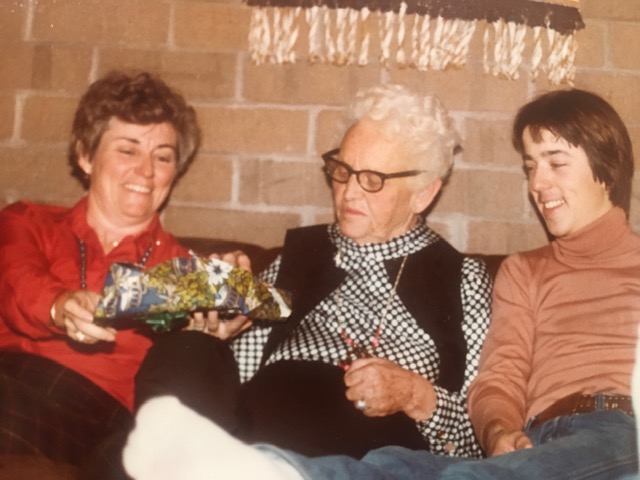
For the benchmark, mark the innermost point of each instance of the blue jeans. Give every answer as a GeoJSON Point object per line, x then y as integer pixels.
{"type": "Point", "coordinates": [598, 445]}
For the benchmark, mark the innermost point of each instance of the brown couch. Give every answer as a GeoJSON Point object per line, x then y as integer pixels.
{"type": "Point", "coordinates": [261, 257]}
{"type": "Point", "coordinates": [30, 467]}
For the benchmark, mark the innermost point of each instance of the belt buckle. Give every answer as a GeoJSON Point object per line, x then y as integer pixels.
{"type": "Point", "coordinates": [612, 406]}
{"type": "Point", "coordinates": [615, 402]}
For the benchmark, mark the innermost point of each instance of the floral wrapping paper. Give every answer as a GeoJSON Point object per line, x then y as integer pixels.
{"type": "Point", "coordinates": [163, 296]}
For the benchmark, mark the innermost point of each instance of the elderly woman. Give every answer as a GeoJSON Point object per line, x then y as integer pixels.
{"type": "Point", "coordinates": [66, 382]}
{"type": "Point", "coordinates": [388, 319]}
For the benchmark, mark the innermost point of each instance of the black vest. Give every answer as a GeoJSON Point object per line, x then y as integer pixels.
{"type": "Point", "coordinates": [429, 289]}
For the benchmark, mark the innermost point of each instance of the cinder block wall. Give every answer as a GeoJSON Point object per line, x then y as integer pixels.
{"type": "Point", "coordinates": [258, 172]}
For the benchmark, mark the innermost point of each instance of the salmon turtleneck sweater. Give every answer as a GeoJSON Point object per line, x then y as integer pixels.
{"type": "Point", "coordinates": [565, 319]}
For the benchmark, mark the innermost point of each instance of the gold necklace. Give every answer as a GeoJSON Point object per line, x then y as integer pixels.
{"type": "Point", "coordinates": [354, 349]}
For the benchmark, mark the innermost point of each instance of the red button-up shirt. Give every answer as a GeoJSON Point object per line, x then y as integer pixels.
{"type": "Point", "coordinates": [40, 259]}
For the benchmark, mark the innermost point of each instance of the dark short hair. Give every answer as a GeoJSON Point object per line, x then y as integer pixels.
{"type": "Point", "coordinates": [584, 120]}
{"type": "Point", "coordinates": [140, 98]}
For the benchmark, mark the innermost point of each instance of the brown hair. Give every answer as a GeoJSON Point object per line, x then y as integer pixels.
{"type": "Point", "coordinates": [584, 120]}
{"type": "Point", "coordinates": [139, 98]}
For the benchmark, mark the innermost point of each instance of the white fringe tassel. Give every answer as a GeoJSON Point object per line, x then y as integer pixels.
{"type": "Point", "coordinates": [343, 37]}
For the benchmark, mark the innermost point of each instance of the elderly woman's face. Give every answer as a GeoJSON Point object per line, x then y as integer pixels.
{"type": "Point", "coordinates": [377, 217]}
{"type": "Point", "coordinates": [132, 170]}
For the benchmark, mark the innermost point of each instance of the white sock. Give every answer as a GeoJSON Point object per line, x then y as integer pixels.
{"type": "Point", "coordinates": [172, 442]}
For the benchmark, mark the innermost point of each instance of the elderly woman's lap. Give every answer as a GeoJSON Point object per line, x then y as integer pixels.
{"type": "Point", "coordinates": [294, 404]}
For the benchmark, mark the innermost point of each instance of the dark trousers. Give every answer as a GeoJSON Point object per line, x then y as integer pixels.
{"type": "Point", "coordinates": [295, 405]}
{"type": "Point", "coordinates": [48, 409]}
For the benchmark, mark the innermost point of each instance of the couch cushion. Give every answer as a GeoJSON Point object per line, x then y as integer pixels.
{"type": "Point", "coordinates": [491, 261]}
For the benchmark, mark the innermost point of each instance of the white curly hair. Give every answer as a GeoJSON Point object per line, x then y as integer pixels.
{"type": "Point", "coordinates": [419, 122]}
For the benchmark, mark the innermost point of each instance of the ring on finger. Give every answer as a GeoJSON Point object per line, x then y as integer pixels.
{"type": "Point", "coordinates": [361, 405]}
{"type": "Point", "coordinates": [80, 336]}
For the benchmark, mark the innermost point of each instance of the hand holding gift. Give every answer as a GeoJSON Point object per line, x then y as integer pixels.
{"type": "Point", "coordinates": [163, 297]}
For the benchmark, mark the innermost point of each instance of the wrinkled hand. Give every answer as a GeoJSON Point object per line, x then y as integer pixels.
{"type": "Point", "coordinates": [388, 388]}
{"type": "Point", "coordinates": [500, 439]}
{"type": "Point", "coordinates": [74, 314]}
{"type": "Point", "coordinates": [236, 258]}
{"type": "Point", "coordinates": [211, 324]}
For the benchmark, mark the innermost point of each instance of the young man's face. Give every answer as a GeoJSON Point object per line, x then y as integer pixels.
{"type": "Point", "coordinates": [562, 184]}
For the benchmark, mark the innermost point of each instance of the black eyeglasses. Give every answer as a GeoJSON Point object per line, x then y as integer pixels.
{"type": "Point", "coordinates": [370, 180]}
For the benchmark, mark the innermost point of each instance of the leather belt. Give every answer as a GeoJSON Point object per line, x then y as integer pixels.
{"type": "Point", "coordinates": [577, 403]}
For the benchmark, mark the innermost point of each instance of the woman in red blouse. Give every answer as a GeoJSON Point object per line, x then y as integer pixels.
{"type": "Point", "coordinates": [66, 382]}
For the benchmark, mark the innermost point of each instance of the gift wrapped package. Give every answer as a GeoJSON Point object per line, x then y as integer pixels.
{"type": "Point", "coordinates": [163, 296]}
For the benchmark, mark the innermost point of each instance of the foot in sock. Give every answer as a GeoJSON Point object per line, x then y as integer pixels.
{"type": "Point", "coordinates": [172, 442]}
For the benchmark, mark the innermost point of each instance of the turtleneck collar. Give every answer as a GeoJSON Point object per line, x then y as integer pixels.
{"type": "Point", "coordinates": [595, 240]}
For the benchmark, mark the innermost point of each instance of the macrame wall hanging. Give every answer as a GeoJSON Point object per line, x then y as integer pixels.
{"type": "Point", "coordinates": [421, 34]}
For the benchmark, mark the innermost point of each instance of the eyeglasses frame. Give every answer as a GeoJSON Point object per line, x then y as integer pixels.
{"type": "Point", "coordinates": [330, 156]}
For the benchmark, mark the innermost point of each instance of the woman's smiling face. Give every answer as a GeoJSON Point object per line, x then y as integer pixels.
{"type": "Point", "coordinates": [132, 170]}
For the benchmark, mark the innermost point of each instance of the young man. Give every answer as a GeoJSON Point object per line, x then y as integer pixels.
{"type": "Point", "coordinates": [558, 361]}
{"type": "Point", "coordinates": [552, 397]}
